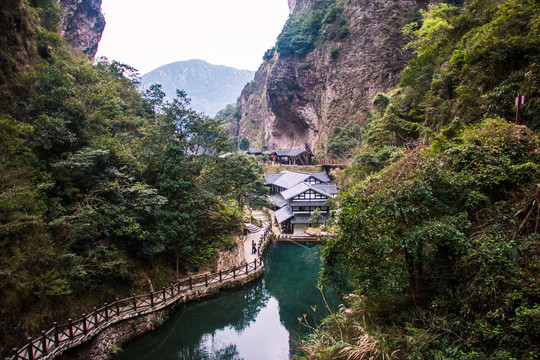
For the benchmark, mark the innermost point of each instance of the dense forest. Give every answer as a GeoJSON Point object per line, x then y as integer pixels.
{"type": "Point", "coordinates": [438, 244]}
{"type": "Point", "coordinates": [103, 191]}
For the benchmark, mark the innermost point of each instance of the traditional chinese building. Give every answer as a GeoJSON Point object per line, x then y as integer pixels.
{"type": "Point", "coordinates": [296, 195]}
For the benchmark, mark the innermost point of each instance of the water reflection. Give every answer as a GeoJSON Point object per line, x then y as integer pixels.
{"type": "Point", "coordinates": [257, 322]}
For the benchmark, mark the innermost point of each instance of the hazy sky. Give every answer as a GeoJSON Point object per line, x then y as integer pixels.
{"type": "Point", "coordinates": [147, 34]}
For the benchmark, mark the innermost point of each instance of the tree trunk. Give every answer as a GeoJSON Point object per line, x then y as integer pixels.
{"type": "Point", "coordinates": [177, 260]}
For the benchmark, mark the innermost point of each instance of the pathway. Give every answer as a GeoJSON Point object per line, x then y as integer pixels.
{"type": "Point", "coordinates": [255, 236]}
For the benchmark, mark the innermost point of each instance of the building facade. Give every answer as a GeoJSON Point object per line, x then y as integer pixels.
{"type": "Point", "coordinates": [296, 195]}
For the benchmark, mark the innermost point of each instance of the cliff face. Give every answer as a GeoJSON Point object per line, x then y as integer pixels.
{"type": "Point", "coordinates": [296, 100]}
{"type": "Point", "coordinates": [83, 24]}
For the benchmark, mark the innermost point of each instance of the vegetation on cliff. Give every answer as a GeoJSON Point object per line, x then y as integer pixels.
{"type": "Point", "coordinates": [103, 190]}
{"type": "Point", "coordinates": [439, 237]}
{"type": "Point", "coordinates": [302, 33]}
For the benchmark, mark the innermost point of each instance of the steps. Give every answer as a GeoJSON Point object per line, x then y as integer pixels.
{"type": "Point", "coordinates": [252, 228]}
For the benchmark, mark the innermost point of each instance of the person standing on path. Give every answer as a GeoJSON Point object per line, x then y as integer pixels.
{"type": "Point", "coordinates": [253, 247]}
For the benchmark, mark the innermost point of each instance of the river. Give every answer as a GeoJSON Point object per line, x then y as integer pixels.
{"type": "Point", "coordinates": [257, 322]}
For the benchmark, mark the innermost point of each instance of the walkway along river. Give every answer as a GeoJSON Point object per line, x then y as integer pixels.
{"type": "Point", "coordinates": [60, 338]}
{"type": "Point", "coordinates": [257, 322]}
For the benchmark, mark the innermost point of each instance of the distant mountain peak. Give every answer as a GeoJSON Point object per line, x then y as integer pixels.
{"type": "Point", "coordinates": [210, 87]}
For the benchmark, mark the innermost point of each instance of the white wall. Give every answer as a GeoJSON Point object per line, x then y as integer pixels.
{"type": "Point", "coordinates": [300, 228]}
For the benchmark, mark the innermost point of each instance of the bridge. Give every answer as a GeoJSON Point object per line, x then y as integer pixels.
{"type": "Point", "coordinates": [327, 162]}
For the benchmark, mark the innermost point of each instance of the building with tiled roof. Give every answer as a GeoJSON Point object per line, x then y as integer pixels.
{"type": "Point", "coordinates": [296, 194]}
{"type": "Point", "coordinates": [286, 156]}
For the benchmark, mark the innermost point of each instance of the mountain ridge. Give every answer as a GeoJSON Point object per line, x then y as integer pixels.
{"type": "Point", "coordinates": [210, 87]}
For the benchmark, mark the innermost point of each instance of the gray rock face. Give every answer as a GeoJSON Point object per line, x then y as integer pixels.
{"type": "Point", "coordinates": [83, 24]}
{"type": "Point", "coordinates": [294, 100]}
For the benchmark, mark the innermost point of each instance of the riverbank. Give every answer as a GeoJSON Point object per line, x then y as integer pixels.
{"type": "Point", "coordinates": [256, 322]}
{"type": "Point", "coordinates": [86, 338]}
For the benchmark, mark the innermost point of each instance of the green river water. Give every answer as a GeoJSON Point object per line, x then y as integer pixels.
{"type": "Point", "coordinates": [254, 323]}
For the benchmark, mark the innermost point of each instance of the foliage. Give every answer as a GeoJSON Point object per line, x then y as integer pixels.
{"type": "Point", "coordinates": [269, 54]}
{"type": "Point", "coordinates": [344, 140]}
{"type": "Point", "coordinates": [100, 189]}
{"type": "Point", "coordinates": [469, 63]}
{"type": "Point", "coordinates": [316, 217]}
{"type": "Point", "coordinates": [229, 115]}
{"type": "Point", "coordinates": [235, 177]}
{"type": "Point", "coordinates": [302, 33]}
{"type": "Point", "coordinates": [334, 51]}
{"type": "Point", "coordinates": [244, 144]}
{"type": "Point", "coordinates": [450, 225]}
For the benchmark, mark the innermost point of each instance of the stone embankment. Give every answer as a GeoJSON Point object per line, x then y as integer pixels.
{"type": "Point", "coordinates": [96, 335]}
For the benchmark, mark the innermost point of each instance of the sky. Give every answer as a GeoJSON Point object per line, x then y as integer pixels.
{"type": "Point", "coordinates": [147, 34]}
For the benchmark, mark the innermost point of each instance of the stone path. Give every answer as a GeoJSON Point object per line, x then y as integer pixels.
{"type": "Point", "coordinates": [255, 236]}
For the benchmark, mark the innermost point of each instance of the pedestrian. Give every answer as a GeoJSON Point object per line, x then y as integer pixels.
{"type": "Point", "coordinates": [253, 247]}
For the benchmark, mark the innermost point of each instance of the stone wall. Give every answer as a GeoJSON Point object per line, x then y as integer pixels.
{"type": "Point", "coordinates": [103, 345]}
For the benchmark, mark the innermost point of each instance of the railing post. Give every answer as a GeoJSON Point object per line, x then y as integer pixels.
{"type": "Point", "coordinates": [134, 302]}
{"type": "Point", "coordinates": [84, 323]}
{"type": "Point", "coordinates": [43, 343]}
{"type": "Point", "coordinates": [178, 285]}
{"type": "Point", "coordinates": [15, 354]}
{"type": "Point", "coordinates": [106, 312]}
{"type": "Point", "coordinates": [247, 269]}
{"type": "Point", "coordinates": [56, 338]}
{"type": "Point", "coordinates": [70, 323]}
{"type": "Point", "coordinates": [220, 276]}
{"type": "Point", "coordinates": [151, 298]}
{"type": "Point", "coordinates": [117, 307]}
{"type": "Point", "coordinates": [95, 317]}
{"type": "Point", "coordinates": [234, 272]}
{"type": "Point", "coordinates": [206, 279]}
{"type": "Point", "coordinates": [164, 295]}
{"type": "Point", "coordinates": [30, 349]}
{"type": "Point", "coordinates": [255, 264]}
{"type": "Point", "coordinates": [190, 283]}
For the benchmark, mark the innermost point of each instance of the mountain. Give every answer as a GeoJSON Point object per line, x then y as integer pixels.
{"type": "Point", "coordinates": [210, 87]}
{"type": "Point", "coordinates": [83, 24]}
{"type": "Point", "coordinates": [330, 61]}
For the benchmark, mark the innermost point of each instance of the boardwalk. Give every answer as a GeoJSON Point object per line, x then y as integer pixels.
{"type": "Point", "coordinates": [62, 337]}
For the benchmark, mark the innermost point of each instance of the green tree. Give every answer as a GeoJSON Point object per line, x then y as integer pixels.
{"type": "Point", "coordinates": [316, 217]}
{"type": "Point", "coordinates": [235, 177]}
{"type": "Point", "coordinates": [244, 144]}
{"type": "Point", "coordinates": [154, 95]}
{"type": "Point", "coordinates": [177, 220]}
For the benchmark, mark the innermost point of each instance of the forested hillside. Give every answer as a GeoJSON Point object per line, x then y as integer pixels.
{"type": "Point", "coordinates": [103, 191]}
{"type": "Point", "coordinates": [439, 239]}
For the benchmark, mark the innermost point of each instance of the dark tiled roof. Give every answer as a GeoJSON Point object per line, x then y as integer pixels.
{"type": "Point", "coordinates": [288, 179]}
{"type": "Point", "coordinates": [283, 214]}
{"type": "Point", "coordinates": [289, 152]}
{"type": "Point", "coordinates": [254, 151]}
{"type": "Point", "coordinates": [322, 176]}
{"type": "Point", "coordinates": [271, 178]}
{"type": "Point", "coordinates": [295, 190]}
{"type": "Point", "coordinates": [329, 190]}
{"type": "Point", "coordinates": [277, 200]}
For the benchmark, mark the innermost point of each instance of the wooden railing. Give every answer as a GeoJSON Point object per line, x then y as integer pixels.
{"type": "Point", "coordinates": [324, 161]}
{"type": "Point", "coordinates": [62, 337]}
{"type": "Point", "coordinates": [263, 240]}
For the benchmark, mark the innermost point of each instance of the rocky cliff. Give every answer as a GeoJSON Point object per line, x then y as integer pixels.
{"type": "Point", "coordinates": [298, 99]}
{"type": "Point", "coordinates": [83, 24]}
